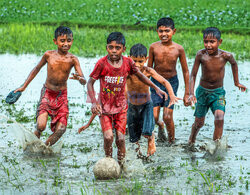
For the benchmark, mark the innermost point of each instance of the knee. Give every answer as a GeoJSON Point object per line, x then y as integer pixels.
{"type": "Point", "coordinates": [61, 130]}
{"type": "Point", "coordinates": [219, 117]}
{"type": "Point", "coordinates": [40, 127]}
{"type": "Point", "coordinates": [198, 124]}
{"type": "Point", "coordinates": [167, 118]}
{"type": "Point", "coordinates": [120, 141]}
{"type": "Point", "coordinates": [108, 138]}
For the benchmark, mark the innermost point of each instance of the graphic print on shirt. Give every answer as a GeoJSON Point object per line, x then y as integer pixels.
{"type": "Point", "coordinates": [113, 82]}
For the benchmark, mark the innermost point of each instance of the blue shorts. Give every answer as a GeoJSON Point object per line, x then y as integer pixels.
{"type": "Point", "coordinates": [157, 100]}
{"type": "Point", "coordinates": [140, 120]}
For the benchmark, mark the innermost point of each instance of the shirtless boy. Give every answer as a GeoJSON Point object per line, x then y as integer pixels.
{"type": "Point", "coordinates": [112, 70]}
{"type": "Point", "coordinates": [53, 101]}
{"type": "Point", "coordinates": [164, 55]}
{"type": "Point", "coordinates": [210, 92]}
{"type": "Point", "coordinates": [140, 107]}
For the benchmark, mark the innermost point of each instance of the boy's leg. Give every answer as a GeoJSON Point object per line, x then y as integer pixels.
{"type": "Point", "coordinates": [198, 123]}
{"type": "Point", "coordinates": [218, 124]}
{"type": "Point", "coordinates": [59, 131]}
{"type": "Point", "coordinates": [108, 140]}
{"type": "Point", "coordinates": [161, 134]}
{"type": "Point", "coordinates": [168, 120]}
{"type": "Point", "coordinates": [41, 124]}
{"type": "Point", "coordinates": [120, 143]}
{"type": "Point", "coordinates": [151, 144]}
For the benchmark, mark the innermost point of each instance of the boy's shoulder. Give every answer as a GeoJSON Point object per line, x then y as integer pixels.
{"type": "Point", "coordinates": [155, 44]}
{"type": "Point", "coordinates": [223, 54]}
{"type": "Point", "coordinates": [158, 43]}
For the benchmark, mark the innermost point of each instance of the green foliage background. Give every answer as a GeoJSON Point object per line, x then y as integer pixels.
{"type": "Point", "coordinates": [28, 26]}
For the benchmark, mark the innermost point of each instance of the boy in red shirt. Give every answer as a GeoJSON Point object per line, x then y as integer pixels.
{"type": "Point", "coordinates": [112, 70]}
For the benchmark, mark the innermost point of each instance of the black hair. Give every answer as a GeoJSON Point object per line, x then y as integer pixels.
{"type": "Point", "coordinates": [62, 30]}
{"type": "Point", "coordinates": [165, 21]}
{"type": "Point", "coordinates": [212, 31]}
{"type": "Point", "coordinates": [138, 50]}
{"type": "Point", "coordinates": [116, 36]}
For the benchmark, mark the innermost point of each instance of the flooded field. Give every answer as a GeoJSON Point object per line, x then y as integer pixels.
{"type": "Point", "coordinates": [171, 170]}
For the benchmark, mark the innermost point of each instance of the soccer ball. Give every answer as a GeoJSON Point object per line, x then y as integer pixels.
{"type": "Point", "coordinates": [107, 168]}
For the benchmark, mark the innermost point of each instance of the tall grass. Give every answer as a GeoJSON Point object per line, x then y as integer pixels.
{"type": "Point", "coordinates": [90, 42]}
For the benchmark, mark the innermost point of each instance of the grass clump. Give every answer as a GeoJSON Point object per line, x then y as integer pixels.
{"type": "Point", "coordinates": [91, 42]}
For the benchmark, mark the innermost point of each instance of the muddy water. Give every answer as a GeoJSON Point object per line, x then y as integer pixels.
{"type": "Point", "coordinates": [171, 170]}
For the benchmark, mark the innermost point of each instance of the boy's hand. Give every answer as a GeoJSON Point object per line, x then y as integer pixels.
{"type": "Point", "coordinates": [161, 93]}
{"type": "Point", "coordinates": [76, 76]}
{"type": "Point", "coordinates": [96, 109]}
{"type": "Point", "coordinates": [173, 100]}
{"type": "Point", "coordinates": [21, 89]}
{"type": "Point", "coordinates": [241, 87]}
{"type": "Point", "coordinates": [186, 100]}
{"type": "Point", "coordinates": [192, 99]}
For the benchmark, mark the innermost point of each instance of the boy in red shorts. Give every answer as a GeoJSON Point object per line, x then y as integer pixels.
{"type": "Point", "coordinates": [53, 101]}
{"type": "Point", "coordinates": [112, 70]}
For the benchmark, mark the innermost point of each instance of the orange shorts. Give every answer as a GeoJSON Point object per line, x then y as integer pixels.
{"type": "Point", "coordinates": [117, 121]}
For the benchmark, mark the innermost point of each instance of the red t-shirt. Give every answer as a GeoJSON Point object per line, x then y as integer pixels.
{"type": "Point", "coordinates": [112, 83]}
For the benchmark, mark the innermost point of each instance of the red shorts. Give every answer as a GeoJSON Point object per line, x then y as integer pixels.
{"type": "Point", "coordinates": [55, 103]}
{"type": "Point", "coordinates": [117, 121]}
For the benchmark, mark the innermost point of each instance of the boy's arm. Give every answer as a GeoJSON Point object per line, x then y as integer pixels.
{"type": "Point", "coordinates": [78, 75]}
{"type": "Point", "coordinates": [159, 78]}
{"type": "Point", "coordinates": [151, 57]}
{"type": "Point", "coordinates": [185, 71]}
{"type": "Point", "coordinates": [148, 82]}
{"type": "Point", "coordinates": [33, 73]}
{"type": "Point", "coordinates": [96, 107]}
{"type": "Point", "coordinates": [193, 77]}
{"type": "Point", "coordinates": [234, 67]}
{"type": "Point", "coordinates": [88, 124]}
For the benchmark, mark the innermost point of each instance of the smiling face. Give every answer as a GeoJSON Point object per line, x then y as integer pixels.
{"type": "Point", "coordinates": [139, 61]}
{"type": "Point", "coordinates": [115, 50]}
{"type": "Point", "coordinates": [211, 44]}
{"type": "Point", "coordinates": [165, 33]}
{"type": "Point", "coordinates": [64, 42]}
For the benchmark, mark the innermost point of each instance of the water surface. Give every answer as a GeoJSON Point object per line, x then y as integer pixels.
{"type": "Point", "coordinates": [173, 168]}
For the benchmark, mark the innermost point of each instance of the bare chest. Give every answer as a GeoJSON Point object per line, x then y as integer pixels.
{"type": "Point", "coordinates": [213, 64]}
{"type": "Point", "coordinates": [60, 65]}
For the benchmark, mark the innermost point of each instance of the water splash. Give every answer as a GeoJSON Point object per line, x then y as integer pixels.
{"type": "Point", "coordinates": [27, 139]}
{"type": "Point", "coordinates": [133, 166]}
{"type": "Point", "coordinates": [216, 150]}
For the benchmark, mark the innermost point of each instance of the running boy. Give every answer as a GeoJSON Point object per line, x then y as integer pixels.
{"type": "Point", "coordinates": [210, 93]}
{"type": "Point", "coordinates": [164, 55]}
{"type": "Point", "coordinates": [53, 101]}
{"type": "Point", "coordinates": [140, 107]}
{"type": "Point", "coordinates": [112, 70]}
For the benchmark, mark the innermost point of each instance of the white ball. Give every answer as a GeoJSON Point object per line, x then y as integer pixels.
{"type": "Point", "coordinates": [107, 168]}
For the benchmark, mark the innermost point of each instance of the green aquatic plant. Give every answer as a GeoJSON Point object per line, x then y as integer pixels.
{"type": "Point", "coordinates": [205, 178]}
{"type": "Point", "coordinates": [130, 14]}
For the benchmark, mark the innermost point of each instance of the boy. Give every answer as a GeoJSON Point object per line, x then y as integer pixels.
{"type": "Point", "coordinates": [112, 70]}
{"type": "Point", "coordinates": [53, 101]}
{"type": "Point", "coordinates": [164, 55]}
{"type": "Point", "coordinates": [140, 106]}
{"type": "Point", "coordinates": [210, 93]}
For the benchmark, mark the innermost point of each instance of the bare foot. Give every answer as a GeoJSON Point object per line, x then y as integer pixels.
{"type": "Point", "coordinates": [151, 145]}
{"type": "Point", "coordinates": [82, 128]}
{"type": "Point", "coordinates": [37, 133]}
{"type": "Point", "coordinates": [161, 133]}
